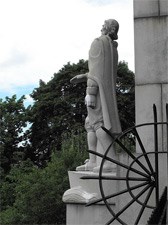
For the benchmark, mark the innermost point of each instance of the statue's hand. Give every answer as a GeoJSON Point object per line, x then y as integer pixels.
{"type": "Point", "coordinates": [90, 101]}
{"type": "Point", "coordinates": [74, 80]}
{"type": "Point", "coordinates": [79, 78]}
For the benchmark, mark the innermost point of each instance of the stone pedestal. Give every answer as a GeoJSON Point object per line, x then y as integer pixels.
{"type": "Point", "coordinates": [130, 215]}
{"type": "Point", "coordinates": [78, 214]}
{"type": "Point", "coordinates": [91, 186]}
{"type": "Point", "coordinates": [151, 65]}
{"type": "Point", "coordinates": [83, 191]}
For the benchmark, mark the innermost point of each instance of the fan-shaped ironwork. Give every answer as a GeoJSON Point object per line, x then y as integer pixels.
{"type": "Point", "coordinates": [144, 180]}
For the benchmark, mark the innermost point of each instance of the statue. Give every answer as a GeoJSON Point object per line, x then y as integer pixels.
{"type": "Point", "coordinates": [101, 94]}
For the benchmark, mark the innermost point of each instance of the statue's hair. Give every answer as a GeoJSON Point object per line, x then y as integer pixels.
{"type": "Point", "coordinates": [109, 23]}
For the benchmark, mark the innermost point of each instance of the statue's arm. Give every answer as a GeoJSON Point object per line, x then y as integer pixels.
{"type": "Point", "coordinates": [91, 93]}
{"type": "Point", "coordinates": [79, 78]}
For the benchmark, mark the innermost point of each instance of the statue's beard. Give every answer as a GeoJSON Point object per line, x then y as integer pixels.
{"type": "Point", "coordinates": [112, 35]}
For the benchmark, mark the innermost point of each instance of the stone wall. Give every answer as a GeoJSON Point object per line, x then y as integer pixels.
{"type": "Point", "coordinates": [151, 65]}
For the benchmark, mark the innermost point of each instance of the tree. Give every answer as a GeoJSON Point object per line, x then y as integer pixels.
{"type": "Point", "coordinates": [12, 136]}
{"type": "Point", "coordinates": [125, 95]}
{"type": "Point", "coordinates": [36, 194]}
{"type": "Point", "coordinates": [58, 109]}
{"type": "Point", "coordinates": [11, 180]}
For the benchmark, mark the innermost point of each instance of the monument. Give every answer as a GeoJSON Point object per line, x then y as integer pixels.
{"type": "Point", "coordinates": [128, 194]}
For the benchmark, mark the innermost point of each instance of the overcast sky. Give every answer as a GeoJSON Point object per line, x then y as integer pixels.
{"type": "Point", "coordinates": [38, 37]}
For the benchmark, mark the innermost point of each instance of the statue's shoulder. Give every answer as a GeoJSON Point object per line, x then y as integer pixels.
{"type": "Point", "coordinates": [106, 40]}
{"type": "Point", "coordinates": [95, 49]}
{"type": "Point", "coordinates": [96, 41]}
{"type": "Point", "coordinates": [101, 39]}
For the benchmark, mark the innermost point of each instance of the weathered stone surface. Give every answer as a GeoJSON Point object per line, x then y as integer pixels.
{"type": "Point", "coordinates": [78, 214]}
{"type": "Point", "coordinates": [144, 8]}
{"type": "Point", "coordinates": [152, 8]}
{"type": "Point", "coordinates": [90, 186]}
{"type": "Point", "coordinates": [83, 191]}
{"type": "Point", "coordinates": [78, 195]}
{"type": "Point", "coordinates": [146, 96]}
{"type": "Point", "coordinates": [151, 50]}
{"type": "Point", "coordinates": [151, 65]}
{"type": "Point", "coordinates": [163, 7]}
{"type": "Point", "coordinates": [151, 79]}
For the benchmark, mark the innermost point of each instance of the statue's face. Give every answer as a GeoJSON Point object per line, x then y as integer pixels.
{"type": "Point", "coordinates": [110, 30]}
{"type": "Point", "coordinates": [104, 29]}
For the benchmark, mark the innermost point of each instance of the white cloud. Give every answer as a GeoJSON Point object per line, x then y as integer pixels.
{"type": "Point", "coordinates": [15, 58]}
{"type": "Point", "coordinates": [37, 37]}
{"type": "Point", "coordinates": [29, 100]}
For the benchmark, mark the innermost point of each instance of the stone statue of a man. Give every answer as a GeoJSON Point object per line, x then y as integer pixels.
{"type": "Point", "coordinates": [101, 94]}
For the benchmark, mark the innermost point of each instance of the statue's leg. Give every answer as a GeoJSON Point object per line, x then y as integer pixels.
{"type": "Point", "coordinates": [104, 141]}
{"type": "Point", "coordinates": [92, 145]}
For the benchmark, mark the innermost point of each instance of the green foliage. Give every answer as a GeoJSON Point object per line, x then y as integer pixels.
{"type": "Point", "coordinates": [76, 145]}
{"type": "Point", "coordinates": [12, 136]}
{"type": "Point", "coordinates": [58, 109]}
{"type": "Point", "coordinates": [38, 192]}
{"type": "Point", "coordinates": [125, 95]}
{"type": "Point", "coordinates": [11, 180]}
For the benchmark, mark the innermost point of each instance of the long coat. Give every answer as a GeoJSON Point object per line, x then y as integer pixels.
{"type": "Point", "coordinates": [103, 61]}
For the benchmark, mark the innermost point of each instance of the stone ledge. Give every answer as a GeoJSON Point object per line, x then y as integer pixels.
{"type": "Point", "coordinates": [83, 191]}
{"type": "Point", "coordinates": [150, 8]}
{"type": "Point", "coordinates": [78, 214]}
{"type": "Point", "coordinates": [78, 195]}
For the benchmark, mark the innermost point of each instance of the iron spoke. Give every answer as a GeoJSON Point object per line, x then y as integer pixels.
{"type": "Point", "coordinates": [129, 204]}
{"type": "Point", "coordinates": [118, 163]}
{"type": "Point", "coordinates": [143, 150]}
{"type": "Point", "coordinates": [144, 205]}
{"type": "Point", "coordinates": [116, 194]}
{"type": "Point", "coordinates": [127, 151]}
{"type": "Point", "coordinates": [114, 178]}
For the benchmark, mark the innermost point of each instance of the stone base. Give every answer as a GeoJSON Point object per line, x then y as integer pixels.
{"type": "Point", "coordinates": [82, 191]}
{"type": "Point", "coordinates": [78, 214]}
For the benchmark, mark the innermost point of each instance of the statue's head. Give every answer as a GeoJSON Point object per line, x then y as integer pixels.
{"type": "Point", "coordinates": [110, 28]}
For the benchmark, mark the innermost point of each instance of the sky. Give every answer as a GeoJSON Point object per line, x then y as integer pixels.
{"type": "Point", "coordinates": [39, 37]}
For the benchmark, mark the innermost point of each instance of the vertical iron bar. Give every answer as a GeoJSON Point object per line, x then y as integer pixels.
{"type": "Point", "coordinates": [156, 153]}
{"type": "Point", "coordinates": [143, 150]}
{"type": "Point", "coordinates": [167, 148]}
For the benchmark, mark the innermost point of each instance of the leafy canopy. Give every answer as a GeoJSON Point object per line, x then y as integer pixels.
{"type": "Point", "coordinates": [13, 139]}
